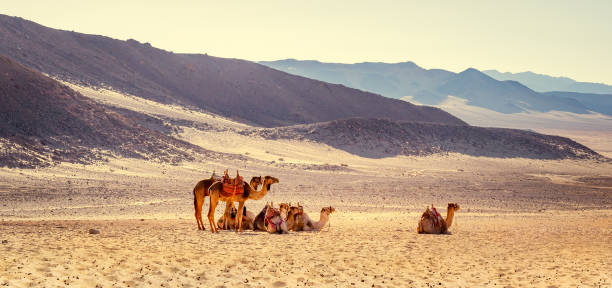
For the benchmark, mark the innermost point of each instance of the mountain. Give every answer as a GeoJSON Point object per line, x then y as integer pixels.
{"type": "Point", "coordinates": [544, 83]}
{"type": "Point", "coordinates": [238, 89]}
{"type": "Point", "coordinates": [43, 122]}
{"type": "Point", "coordinates": [432, 86]}
{"type": "Point", "coordinates": [504, 96]}
{"type": "Point", "coordinates": [601, 103]}
{"type": "Point", "coordinates": [392, 80]}
{"type": "Point", "coordinates": [377, 138]}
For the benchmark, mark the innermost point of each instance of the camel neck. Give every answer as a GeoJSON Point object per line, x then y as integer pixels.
{"type": "Point", "coordinates": [256, 195]}
{"type": "Point", "coordinates": [449, 217]}
{"type": "Point", "coordinates": [323, 219]}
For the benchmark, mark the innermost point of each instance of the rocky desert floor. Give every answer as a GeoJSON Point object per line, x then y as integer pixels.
{"type": "Point", "coordinates": [522, 223]}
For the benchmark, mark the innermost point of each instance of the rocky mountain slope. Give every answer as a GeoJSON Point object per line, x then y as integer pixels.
{"type": "Point", "coordinates": [377, 138]}
{"type": "Point", "coordinates": [43, 122]}
{"type": "Point", "coordinates": [238, 89]}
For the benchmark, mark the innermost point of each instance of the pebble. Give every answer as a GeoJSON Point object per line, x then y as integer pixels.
{"type": "Point", "coordinates": [94, 231]}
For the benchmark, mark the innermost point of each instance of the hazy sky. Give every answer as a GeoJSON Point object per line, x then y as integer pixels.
{"type": "Point", "coordinates": [569, 38]}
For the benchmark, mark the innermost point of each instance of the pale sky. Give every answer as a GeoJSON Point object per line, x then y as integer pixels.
{"type": "Point", "coordinates": [558, 38]}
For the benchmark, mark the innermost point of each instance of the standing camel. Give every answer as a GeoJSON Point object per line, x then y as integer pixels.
{"type": "Point", "coordinates": [216, 194]}
{"type": "Point", "coordinates": [200, 191]}
{"type": "Point", "coordinates": [432, 223]}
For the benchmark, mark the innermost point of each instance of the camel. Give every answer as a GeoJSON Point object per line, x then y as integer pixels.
{"type": "Point", "coordinates": [200, 191]}
{"type": "Point", "coordinates": [274, 221]}
{"type": "Point", "coordinates": [216, 194]}
{"type": "Point", "coordinates": [310, 225]}
{"type": "Point", "coordinates": [295, 218]}
{"type": "Point", "coordinates": [432, 223]}
{"type": "Point", "coordinates": [247, 220]}
{"type": "Point", "coordinates": [283, 208]}
{"type": "Point", "coordinates": [259, 222]}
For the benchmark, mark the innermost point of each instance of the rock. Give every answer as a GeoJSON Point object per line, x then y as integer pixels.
{"type": "Point", "coordinates": [4, 241]}
{"type": "Point", "coordinates": [94, 231]}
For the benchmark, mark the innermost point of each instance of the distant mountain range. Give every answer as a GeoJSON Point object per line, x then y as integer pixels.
{"type": "Point", "coordinates": [545, 83]}
{"type": "Point", "coordinates": [433, 86]}
{"type": "Point", "coordinates": [244, 91]}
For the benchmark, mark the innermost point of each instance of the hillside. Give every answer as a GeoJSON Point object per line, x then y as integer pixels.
{"type": "Point", "coordinates": [378, 138]}
{"type": "Point", "coordinates": [504, 96]}
{"type": "Point", "coordinates": [43, 122]}
{"type": "Point", "coordinates": [238, 89]}
{"type": "Point", "coordinates": [601, 103]}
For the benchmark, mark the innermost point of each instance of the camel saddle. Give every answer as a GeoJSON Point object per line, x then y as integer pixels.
{"type": "Point", "coordinates": [271, 213]}
{"type": "Point", "coordinates": [232, 186]}
{"type": "Point", "coordinates": [433, 214]}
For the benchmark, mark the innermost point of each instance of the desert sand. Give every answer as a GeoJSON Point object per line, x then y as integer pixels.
{"type": "Point", "coordinates": [522, 222]}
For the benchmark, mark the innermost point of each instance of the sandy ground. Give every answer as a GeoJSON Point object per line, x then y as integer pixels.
{"type": "Point", "coordinates": [522, 223]}
{"type": "Point", "coordinates": [359, 249]}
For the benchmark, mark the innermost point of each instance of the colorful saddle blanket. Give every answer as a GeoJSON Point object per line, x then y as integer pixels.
{"type": "Point", "coordinates": [433, 215]}
{"type": "Point", "coordinates": [232, 186]}
{"type": "Point", "coordinates": [437, 217]}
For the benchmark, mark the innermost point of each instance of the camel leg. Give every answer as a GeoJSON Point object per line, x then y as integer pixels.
{"type": "Point", "coordinates": [211, 212]}
{"type": "Point", "coordinates": [195, 207]}
{"type": "Point", "coordinates": [239, 215]}
{"type": "Point", "coordinates": [199, 205]}
{"type": "Point", "coordinates": [227, 215]}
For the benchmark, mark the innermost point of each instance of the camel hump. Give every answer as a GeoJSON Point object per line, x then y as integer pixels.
{"type": "Point", "coordinates": [218, 185]}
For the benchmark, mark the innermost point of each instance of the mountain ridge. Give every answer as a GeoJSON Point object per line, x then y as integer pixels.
{"type": "Point", "coordinates": [433, 86]}
{"type": "Point", "coordinates": [245, 91]}
{"type": "Point", "coordinates": [546, 83]}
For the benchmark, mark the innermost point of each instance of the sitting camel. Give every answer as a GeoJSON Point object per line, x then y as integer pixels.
{"type": "Point", "coordinates": [259, 222]}
{"type": "Point", "coordinates": [432, 223]}
{"type": "Point", "coordinates": [310, 225]}
{"type": "Point", "coordinates": [295, 218]}
{"type": "Point", "coordinates": [247, 219]}
{"type": "Point", "coordinates": [274, 222]}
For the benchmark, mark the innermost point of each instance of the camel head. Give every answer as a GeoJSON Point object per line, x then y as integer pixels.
{"type": "Point", "coordinates": [296, 210]}
{"type": "Point", "coordinates": [255, 181]}
{"type": "Point", "coordinates": [269, 180]}
{"type": "Point", "coordinates": [283, 206]}
{"type": "Point", "coordinates": [328, 210]}
{"type": "Point", "coordinates": [453, 206]}
{"type": "Point", "coordinates": [284, 210]}
{"type": "Point", "coordinates": [233, 212]}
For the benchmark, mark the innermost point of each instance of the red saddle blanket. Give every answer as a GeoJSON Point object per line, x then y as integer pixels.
{"type": "Point", "coordinates": [232, 187]}
{"type": "Point", "coordinates": [437, 217]}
